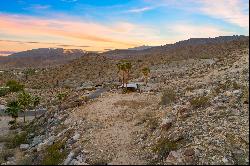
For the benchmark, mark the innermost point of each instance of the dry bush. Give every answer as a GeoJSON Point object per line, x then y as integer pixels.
{"type": "Point", "coordinates": [168, 97]}
{"type": "Point", "coordinates": [131, 104]}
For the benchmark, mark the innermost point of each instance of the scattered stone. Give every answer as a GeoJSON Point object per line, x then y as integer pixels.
{"type": "Point", "coordinates": [69, 158]}
{"type": "Point", "coordinates": [24, 146]}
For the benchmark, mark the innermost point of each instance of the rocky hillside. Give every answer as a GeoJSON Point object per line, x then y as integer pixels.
{"type": "Point", "coordinates": [101, 69]}
{"type": "Point", "coordinates": [194, 110]}
{"type": "Point", "coordinates": [41, 57]}
{"type": "Point", "coordinates": [193, 43]}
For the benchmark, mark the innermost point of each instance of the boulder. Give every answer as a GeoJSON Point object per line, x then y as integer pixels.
{"type": "Point", "coordinates": [69, 158]}
{"type": "Point", "coordinates": [76, 137]}
{"type": "Point", "coordinates": [24, 146]}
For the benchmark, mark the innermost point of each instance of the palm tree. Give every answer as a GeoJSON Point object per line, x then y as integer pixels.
{"type": "Point", "coordinates": [36, 102]}
{"type": "Point", "coordinates": [145, 72]}
{"type": "Point", "coordinates": [128, 67]}
{"type": "Point", "coordinates": [13, 108]}
{"type": "Point", "coordinates": [124, 66]}
{"type": "Point", "coordinates": [25, 101]}
{"type": "Point", "coordinates": [119, 66]}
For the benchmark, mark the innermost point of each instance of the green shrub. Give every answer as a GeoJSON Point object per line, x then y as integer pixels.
{"type": "Point", "coordinates": [4, 91]}
{"type": "Point", "coordinates": [16, 140]}
{"type": "Point", "coordinates": [61, 96]}
{"type": "Point", "coordinates": [198, 102]}
{"type": "Point", "coordinates": [168, 97]}
{"type": "Point", "coordinates": [14, 86]}
{"type": "Point", "coordinates": [54, 155]}
{"type": "Point", "coordinates": [163, 147]}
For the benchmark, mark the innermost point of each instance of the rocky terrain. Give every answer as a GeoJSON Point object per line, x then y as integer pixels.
{"type": "Point", "coordinates": [194, 110]}
{"type": "Point", "coordinates": [41, 57]}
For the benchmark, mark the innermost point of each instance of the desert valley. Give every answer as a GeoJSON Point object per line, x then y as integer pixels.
{"type": "Point", "coordinates": [190, 105]}
{"type": "Point", "coordinates": [124, 82]}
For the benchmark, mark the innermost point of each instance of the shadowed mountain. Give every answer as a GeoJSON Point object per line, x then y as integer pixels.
{"type": "Point", "coordinates": [129, 53]}
{"type": "Point", "coordinates": [40, 57]}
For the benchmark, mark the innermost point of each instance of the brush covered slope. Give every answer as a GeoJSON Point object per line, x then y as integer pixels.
{"type": "Point", "coordinates": [194, 110]}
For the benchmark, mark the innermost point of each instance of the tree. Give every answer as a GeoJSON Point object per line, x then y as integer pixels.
{"type": "Point", "coordinates": [13, 108]}
{"type": "Point", "coordinates": [28, 72]}
{"type": "Point", "coordinates": [145, 72]}
{"type": "Point", "coordinates": [124, 66]}
{"type": "Point", "coordinates": [36, 102]}
{"type": "Point", "coordinates": [128, 67]}
{"type": "Point", "coordinates": [25, 101]}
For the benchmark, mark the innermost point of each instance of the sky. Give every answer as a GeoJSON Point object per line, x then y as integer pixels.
{"type": "Point", "coordinates": [100, 25]}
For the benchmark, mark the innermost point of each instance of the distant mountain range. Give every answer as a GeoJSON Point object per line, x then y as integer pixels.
{"type": "Point", "coordinates": [139, 48]}
{"type": "Point", "coordinates": [44, 57]}
{"type": "Point", "coordinates": [128, 53]}
{"type": "Point", "coordinates": [41, 57]}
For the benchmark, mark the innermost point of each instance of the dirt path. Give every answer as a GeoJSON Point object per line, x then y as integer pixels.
{"type": "Point", "coordinates": [111, 129]}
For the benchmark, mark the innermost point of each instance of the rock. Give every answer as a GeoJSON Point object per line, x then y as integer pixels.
{"type": "Point", "coordinates": [225, 160]}
{"type": "Point", "coordinates": [166, 123]}
{"type": "Point", "coordinates": [79, 163]}
{"type": "Point", "coordinates": [37, 140]}
{"type": "Point", "coordinates": [24, 146]}
{"type": "Point", "coordinates": [11, 159]}
{"type": "Point", "coordinates": [81, 158]}
{"type": "Point", "coordinates": [2, 107]}
{"type": "Point", "coordinates": [69, 158]}
{"type": "Point", "coordinates": [76, 136]}
{"type": "Point", "coordinates": [189, 152]}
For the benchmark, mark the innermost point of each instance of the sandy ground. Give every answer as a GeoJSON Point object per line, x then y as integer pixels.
{"type": "Point", "coordinates": [111, 131]}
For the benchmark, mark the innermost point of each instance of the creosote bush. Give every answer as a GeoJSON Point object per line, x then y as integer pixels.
{"type": "Point", "coordinates": [168, 97]}
{"type": "Point", "coordinates": [3, 91]}
{"type": "Point", "coordinates": [14, 86]}
{"type": "Point", "coordinates": [163, 147]}
{"type": "Point", "coordinates": [54, 154]}
{"type": "Point", "coordinates": [16, 140]}
{"type": "Point", "coordinates": [199, 102]}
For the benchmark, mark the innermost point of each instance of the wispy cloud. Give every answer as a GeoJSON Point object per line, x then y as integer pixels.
{"type": "Point", "coordinates": [183, 30]}
{"type": "Point", "coordinates": [232, 11]}
{"type": "Point", "coordinates": [49, 43]}
{"type": "Point", "coordinates": [69, 0]}
{"type": "Point", "coordinates": [39, 7]}
{"type": "Point", "coordinates": [76, 32]}
{"type": "Point", "coordinates": [7, 52]}
{"type": "Point", "coordinates": [139, 10]}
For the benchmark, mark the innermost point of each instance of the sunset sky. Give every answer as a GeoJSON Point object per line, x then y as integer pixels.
{"type": "Point", "coordinates": [99, 25]}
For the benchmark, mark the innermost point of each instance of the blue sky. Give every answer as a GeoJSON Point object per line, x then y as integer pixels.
{"type": "Point", "coordinates": [109, 24]}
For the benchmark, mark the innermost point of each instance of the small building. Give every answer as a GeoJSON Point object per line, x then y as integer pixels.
{"type": "Point", "coordinates": [131, 87]}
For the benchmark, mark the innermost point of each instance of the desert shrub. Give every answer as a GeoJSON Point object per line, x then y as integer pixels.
{"type": "Point", "coordinates": [168, 97]}
{"type": "Point", "coordinates": [25, 160]}
{"type": "Point", "coordinates": [235, 85]}
{"type": "Point", "coordinates": [14, 86]}
{"type": "Point", "coordinates": [245, 95]}
{"type": "Point", "coordinates": [190, 88]}
{"type": "Point", "coordinates": [53, 154]}
{"type": "Point", "coordinates": [3, 91]}
{"type": "Point", "coordinates": [15, 140]}
{"type": "Point", "coordinates": [5, 154]}
{"type": "Point", "coordinates": [163, 147]}
{"type": "Point", "coordinates": [152, 123]}
{"type": "Point", "coordinates": [61, 96]}
{"type": "Point", "coordinates": [198, 102]}
{"type": "Point", "coordinates": [99, 161]}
